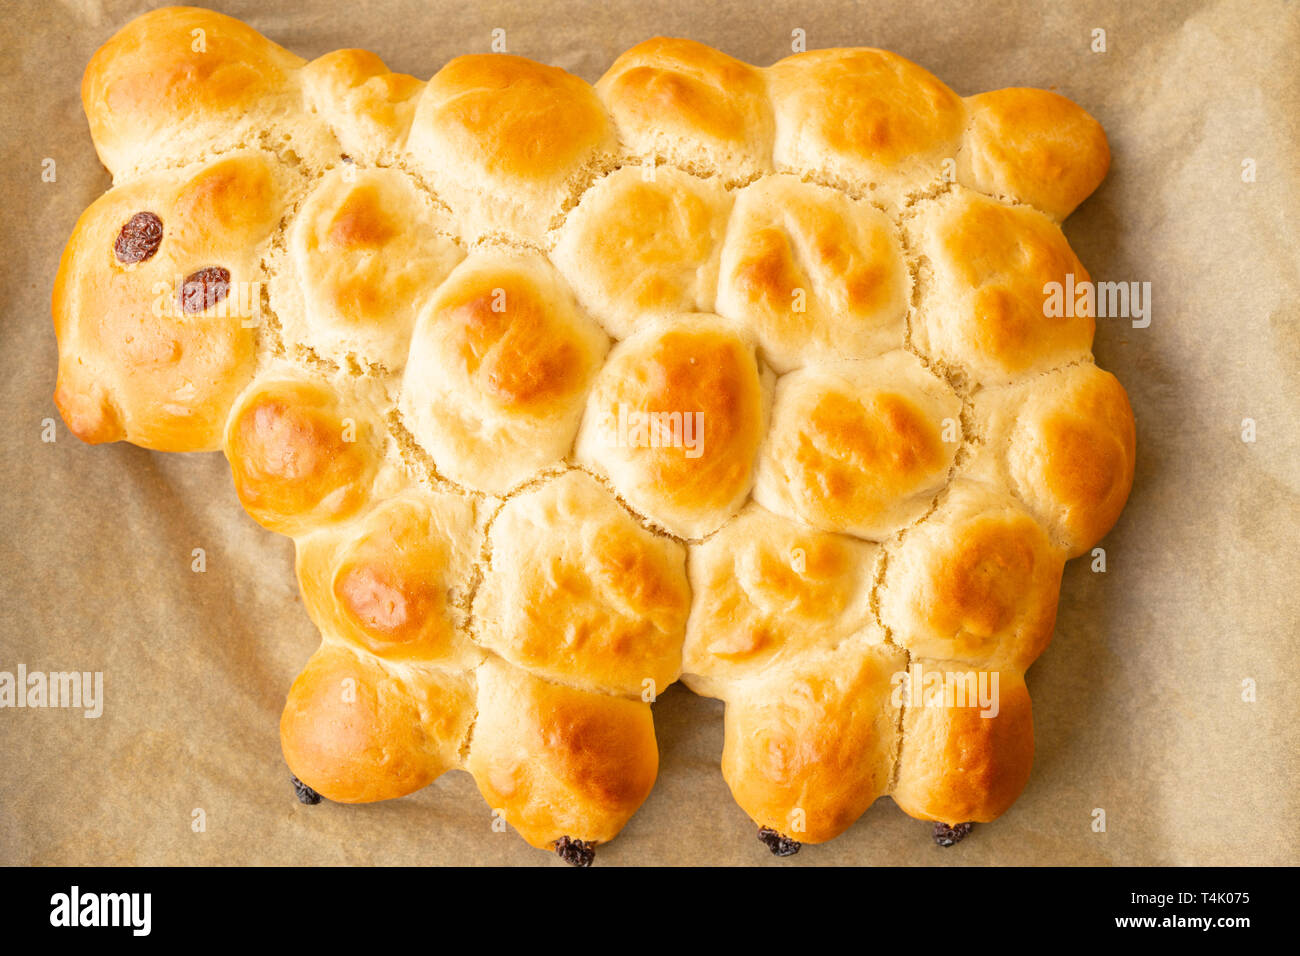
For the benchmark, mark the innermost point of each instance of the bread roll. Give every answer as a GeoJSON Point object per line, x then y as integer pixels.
{"type": "Point", "coordinates": [367, 248]}
{"type": "Point", "coordinates": [508, 143]}
{"type": "Point", "coordinates": [680, 102]}
{"type": "Point", "coordinates": [499, 368]}
{"type": "Point", "coordinates": [180, 83]}
{"type": "Point", "coordinates": [1065, 445]}
{"type": "Point", "coordinates": [578, 592]}
{"type": "Point", "coordinates": [158, 303]}
{"type": "Point", "coordinates": [559, 762]}
{"type": "Point", "coordinates": [867, 121]}
{"type": "Point", "coordinates": [674, 420]}
{"type": "Point", "coordinates": [859, 447]}
{"type": "Point", "coordinates": [368, 108]}
{"type": "Point", "coordinates": [960, 762]}
{"type": "Point", "coordinates": [1035, 147]}
{"type": "Point", "coordinates": [977, 582]}
{"type": "Point", "coordinates": [638, 249]}
{"type": "Point", "coordinates": [766, 592]}
{"type": "Point", "coordinates": [397, 580]}
{"type": "Point", "coordinates": [356, 730]}
{"type": "Point", "coordinates": [984, 306]}
{"type": "Point", "coordinates": [816, 275]}
{"type": "Point", "coordinates": [810, 747]}
{"type": "Point", "coordinates": [299, 457]}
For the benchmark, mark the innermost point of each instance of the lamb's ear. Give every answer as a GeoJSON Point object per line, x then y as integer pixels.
{"type": "Point", "coordinates": [178, 83]}
{"type": "Point", "coordinates": [1035, 147]}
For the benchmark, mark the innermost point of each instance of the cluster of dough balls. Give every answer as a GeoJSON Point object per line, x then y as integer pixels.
{"type": "Point", "coordinates": [713, 372]}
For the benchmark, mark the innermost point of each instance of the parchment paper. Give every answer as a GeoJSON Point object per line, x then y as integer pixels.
{"type": "Point", "coordinates": [1138, 703]}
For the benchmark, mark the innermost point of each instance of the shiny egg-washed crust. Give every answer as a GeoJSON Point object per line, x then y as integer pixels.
{"type": "Point", "coordinates": [712, 371]}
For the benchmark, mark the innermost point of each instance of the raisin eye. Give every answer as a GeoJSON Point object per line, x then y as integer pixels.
{"type": "Point", "coordinates": [139, 238]}
{"type": "Point", "coordinates": [204, 288]}
{"type": "Point", "coordinates": [779, 844]}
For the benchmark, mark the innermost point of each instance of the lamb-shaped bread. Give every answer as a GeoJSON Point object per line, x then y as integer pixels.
{"type": "Point", "coordinates": [734, 374]}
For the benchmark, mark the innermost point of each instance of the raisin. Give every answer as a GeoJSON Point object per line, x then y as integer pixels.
{"type": "Point", "coordinates": [204, 288]}
{"type": "Point", "coordinates": [305, 793]}
{"type": "Point", "coordinates": [946, 835]}
{"type": "Point", "coordinates": [779, 845]}
{"type": "Point", "coordinates": [139, 238]}
{"type": "Point", "coordinates": [575, 852]}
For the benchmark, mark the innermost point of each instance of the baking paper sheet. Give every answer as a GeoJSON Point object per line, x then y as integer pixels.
{"type": "Point", "coordinates": [1138, 703]}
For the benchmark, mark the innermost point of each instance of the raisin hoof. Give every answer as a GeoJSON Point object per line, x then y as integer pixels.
{"type": "Point", "coordinates": [305, 793]}
{"type": "Point", "coordinates": [575, 852]}
{"type": "Point", "coordinates": [779, 845]}
{"type": "Point", "coordinates": [946, 835]}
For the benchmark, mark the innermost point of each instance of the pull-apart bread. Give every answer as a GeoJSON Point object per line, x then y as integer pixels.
{"type": "Point", "coordinates": [736, 375]}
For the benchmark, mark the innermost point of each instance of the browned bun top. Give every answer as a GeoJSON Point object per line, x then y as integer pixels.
{"type": "Point", "coordinates": [978, 582]}
{"type": "Point", "coordinates": [1066, 445]}
{"type": "Point", "coordinates": [507, 141]}
{"type": "Point", "coordinates": [355, 731]}
{"type": "Point", "coordinates": [1034, 146]}
{"type": "Point", "coordinates": [569, 544]}
{"type": "Point", "coordinates": [691, 105]}
{"type": "Point", "coordinates": [862, 118]}
{"type": "Point", "coordinates": [178, 77]}
{"type": "Point", "coordinates": [298, 458]}
{"type": "Point", "coordinates": [960, 763]}
{"type": "Point", "coordinates": [810, 748]}
{"type": "Point", "coordinates": [674, 421]}
{"type": "Point", "coordinates": [558, 761]}
{"type": "Point", "coordinates": [395, 580]}
{"type": "Point", "coordinates": [987, 309]}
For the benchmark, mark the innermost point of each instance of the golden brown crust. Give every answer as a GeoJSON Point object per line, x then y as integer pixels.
{"type": "Point", "coordinates": [578, 592]}
{"type": "Point", "coordinates": [367, 248]}
{"type": "Point", "coordinates": [500, 364]}
{"type": "Point", "coordinates": [355, 731]}
{"type": "Point", "coordinates": [1066, 446]}
{"type": "Point", "coordinates": [1034, 146]}
{"type": "Point", "coordinates": [815, 274]}
{"type": "Point", "coordinates": [506, 140]}
{"type": "Point", "coordinates": [368, 107]}
{"type": "Point", "coordinates": [978, 582]}
{"type": "Point", "coordinates": [959, 766]}
{"type": "Point", "coordinates": [768, 590]}
{"type": "Point", "coordinates": [860, 447]}
{"type": "Point", "coordinates": [639, 249]}
{"type": "Point", "coordinates": [555, 761]}
{"type": "Point", "coordinates": [298, 457]}
{"type": "Point", "coordinates": [674, 421]}
{"type": "Point", "coordinates": [986, 306]}
{"type": "Point", "coordinates": [691, 105]}
{"type": "Point", "coordinates": [866, 119]}
{"type": "Point", "coordinates": [808, 749]}
{"type": "Point", "coordinates": [395, 580]}
{"type": "Point", "coordinates": [177, 77]}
